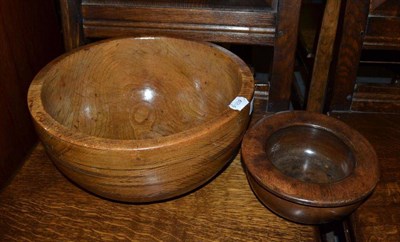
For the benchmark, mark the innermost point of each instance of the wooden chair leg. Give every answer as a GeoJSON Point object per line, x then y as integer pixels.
{"type": "Point", "coordinates": [284, 54]}
{"type": "Point", "coordinates": [323, 57]}
{"type": "Point", "coordinates": [71, 23]}
{"type": "Point", "coordinates": [354, 24]}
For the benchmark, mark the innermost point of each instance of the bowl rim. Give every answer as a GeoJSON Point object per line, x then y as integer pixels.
{"type": "Point", "coordinates": [351, 189]}
{"type": "Point", "coordinates": [57, 130]}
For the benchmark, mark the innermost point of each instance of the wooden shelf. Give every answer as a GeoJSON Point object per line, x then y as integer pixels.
{"type": "Point", "coordinates": [378, 219]}
{"type": "Point", "coordinates": [41, 204]}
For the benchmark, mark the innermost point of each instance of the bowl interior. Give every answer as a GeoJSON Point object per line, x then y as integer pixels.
{"type": "Point", "coordinates": [140, 88]}
{"type": "Point", "coordinates": [310, 154]}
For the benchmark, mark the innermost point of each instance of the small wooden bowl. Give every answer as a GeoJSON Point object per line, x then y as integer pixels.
{"type": "Point", "coordinates": [308, 167]}
{"type": "Point", "coordinates": [141, 119]}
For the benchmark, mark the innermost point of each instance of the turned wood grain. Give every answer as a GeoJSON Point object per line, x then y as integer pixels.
{"type": "Point", "coordinates": [308, 167]}
{"type": "Point", "coordinates": [323, 57]}
{"type": "Point", "coordinates": [141, 119]}
{"type": "Point", "coordinates": [42, 205]}
{"type": "Point", "coordinates": [253, 22]}
{"type": "Point", "coordinates": [378, 219]}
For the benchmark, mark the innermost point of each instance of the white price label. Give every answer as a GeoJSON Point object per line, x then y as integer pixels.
{"type": "Point", "coordinates": [239, 103]}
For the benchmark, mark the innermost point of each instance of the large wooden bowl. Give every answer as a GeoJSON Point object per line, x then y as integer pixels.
{"type": "Point", "coordinates": [141, 119]}
{"type": "Point", "coordinates": [308, 167]}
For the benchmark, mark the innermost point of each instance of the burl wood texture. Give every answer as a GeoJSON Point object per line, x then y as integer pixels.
{"type": "Point", "coordinates": [42, 205]}
{"type": "Point", "coordinates": [323, 57]}
{"type": "Point", "coordinates": [378, 219]}
{"type": "Point", "coordinates": [29, 37]}
{"type": "Point", "coordinates": [141, 119]}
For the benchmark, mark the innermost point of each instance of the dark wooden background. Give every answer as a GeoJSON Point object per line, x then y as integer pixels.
{"type": "Point", "coordinates": [30, 37]}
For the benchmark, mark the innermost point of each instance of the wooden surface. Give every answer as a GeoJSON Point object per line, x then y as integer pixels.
{"type": "Point", "coordinates": [351, 41]}
{"type": "Point", "coordinates": [385, 8]}
{"type": "Point", "coordinates": [229, 4]}
{"type": "Point", "coordinates": [29, 37]}
{"type": "Point", "coordinates": [378, 219]}
{"type": "Point", "coordinates": [383, 27]}
{"type": "Point", "coordinates": [71, 23]}
{"type": "Point", "coordinates": [383, 32]}
{"type": "Point", "coordinates": [366, 25]}
{"type": "Point", "coordinates": [376, 98]}
{"type": "Point", "coordinates": [281, 74]}
{"type": "Point", "coordinates": [323, 57]}
{"type": "Point", "coordinates": [228, 21]}
{"type": "Point", "coordinates": [139, 119]}
{"type": "Point", "coordinates": [42, 205]}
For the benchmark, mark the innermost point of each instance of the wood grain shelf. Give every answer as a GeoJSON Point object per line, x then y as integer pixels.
{"type": "Point", "coordinates": [378, 219]}
{"type": "Point", "coordinates": [42, 205]}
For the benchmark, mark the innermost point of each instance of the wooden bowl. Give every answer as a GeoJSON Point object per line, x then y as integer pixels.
{"type": "Point", "coordinates": [308, 167]}
{"type": "Point", "coordinates": [141, 119]}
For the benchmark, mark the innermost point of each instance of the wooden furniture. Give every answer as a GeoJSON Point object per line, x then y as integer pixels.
{"type": "Point", "coordinates": [260, 22]}
{"type": "Point", "coordinates": [311, 14]}
{"type": "Point", "coordinates": [29, 37]}
{"type": "Point", "coordinates": [138, 119]}
{"type": "Point", "coordinates": [367, 24]}
{"type": "Point", "coordinates": [367, 39]}
{"type": "Point", "coordinates": [323, 57]}
{"type": "Point", "coordinates": [378, 218]}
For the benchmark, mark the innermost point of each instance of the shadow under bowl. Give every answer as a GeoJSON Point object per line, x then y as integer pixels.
{"type": "Point", "coordinates": [308, 167]}
{"type": "Point", "coordinates": [141, 119]}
